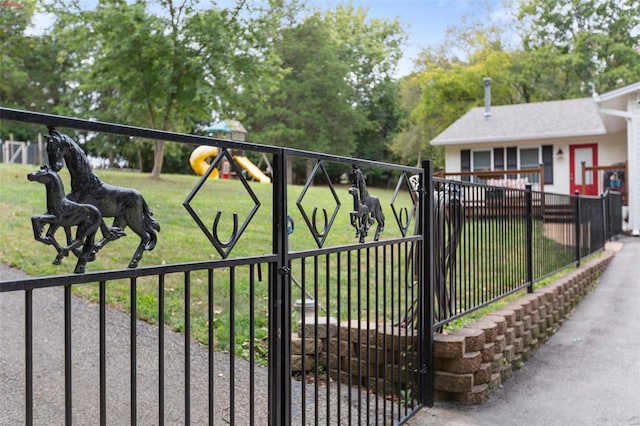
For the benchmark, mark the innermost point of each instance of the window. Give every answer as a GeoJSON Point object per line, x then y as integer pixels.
{"type": "Point", "coordinates": [529, 158]}
{"type": "Point", "coordinates": [509, 158]}
{"type": "Point", "coordinates": [480, 160]}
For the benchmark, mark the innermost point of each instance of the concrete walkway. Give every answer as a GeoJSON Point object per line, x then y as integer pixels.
{"type": "Point", "coordinates": [588, 373]}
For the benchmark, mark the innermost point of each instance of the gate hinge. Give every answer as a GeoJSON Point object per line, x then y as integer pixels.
{"type": "Point", "coordinates": [284, 270]}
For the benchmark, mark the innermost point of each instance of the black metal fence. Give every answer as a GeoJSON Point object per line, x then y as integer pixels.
{"type": "Point", "coordinates": [317, 322]}
{"type": "Point", "coordinates": [241, 354]}
{"type": "Point", "coordinates": [492, 241]}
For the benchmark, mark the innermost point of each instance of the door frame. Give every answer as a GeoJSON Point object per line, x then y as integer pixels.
{"type": "Point", "coordinates": [591, 189]}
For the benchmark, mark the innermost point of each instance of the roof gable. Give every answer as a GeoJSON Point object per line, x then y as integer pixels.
{"type": "Point", "coordinates": [540, 120]}
{"type": "Point", "coordinates": [623, 91]}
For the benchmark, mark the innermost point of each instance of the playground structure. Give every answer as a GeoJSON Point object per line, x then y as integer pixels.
{"type": "Point", "coordinates": [201, 158]}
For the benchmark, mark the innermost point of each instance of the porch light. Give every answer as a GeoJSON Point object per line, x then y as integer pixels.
{"type": "Point", "coordinates": [560, 152]}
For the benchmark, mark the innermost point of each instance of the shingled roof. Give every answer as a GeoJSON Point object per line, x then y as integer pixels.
{"type": "Point", "coordinates": [540, 120]}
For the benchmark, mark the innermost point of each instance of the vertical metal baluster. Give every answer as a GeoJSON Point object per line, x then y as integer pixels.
{"type": "Point", "coordinates": [28, 356]}
{"type": "Point", "coordinates": [187, 348]}
{"type": "Point", "coordinates": [252, 339]}
{"type": "Point", "coordinates": [210, 345]}
{"type": "Point", "coordinates": [303, 278]}
{"type": "Point", "coordinates": [328, 314]}
{"type": "Point", "coordinates": [133, 350]}
{"type": "Point", "coordinates": [103, 353]}
{"type": "Point", "coordinates": [359, 307]}
{"type": "Point", "coordinates": [529, 237]}
{"type": "Point", "coordinates": [339, 343]}
{"type": "Point", "coordinates": [349, 334]}
{"type": "Point", "coordinates": [316, 355]}
{"type": "Point", "coordinates": [399, 279]}
{"type": "Point", "coordinates": [232, 340]}
{"type": "Point", "coordinates": [68, 389]}
{"type": "Point", "coordinates": [161, 320]}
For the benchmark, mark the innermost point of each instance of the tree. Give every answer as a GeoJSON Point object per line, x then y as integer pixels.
{"type": "Point", "coordinates": [449, 83]}
{"type": "Point", "coordinates": [166, 70]}
{"type": "Point", "coordinates": [581, 42]}
{"type": "Point", "coordinates": [312, 108]}
{"type": "Point", "coordinates": [337, 94]}
{"type": "Point", "coordinates": [14, 20]}
{"type": "Point", "coordinates": [372, 48]}
{"type": "Point", "coordinates": [30, 67]}
{"type": "Point", "coordinates": [410, 145]}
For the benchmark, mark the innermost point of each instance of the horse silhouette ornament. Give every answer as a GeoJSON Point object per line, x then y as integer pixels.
{"type": "Point", "coordinates": [366, 208]}
{"type": "Point", "coordinates": [125, 205]}
{"type": "Point", "coordinates": [62, 212]}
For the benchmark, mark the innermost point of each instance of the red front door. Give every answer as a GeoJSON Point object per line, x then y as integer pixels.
{"type": "Point", "coordinates": [587, 153]}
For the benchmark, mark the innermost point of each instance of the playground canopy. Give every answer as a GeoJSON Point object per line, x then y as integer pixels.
{"type": "Point", "coordinates": [233, 128]}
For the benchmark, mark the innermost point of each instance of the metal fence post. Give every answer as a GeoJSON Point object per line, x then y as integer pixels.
{"type": "Point", "coordinates": [280, 303]}
{"type": "Point", "coordinates": [425, 322]}
{"type": "Point", "coordinates": [607, 214]}
{"type": "Point", "coordinates": [529, 237]}
{"type": "Point", "coordinates": [577, 229]}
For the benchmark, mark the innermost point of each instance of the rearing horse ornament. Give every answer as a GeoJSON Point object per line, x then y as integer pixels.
{"type": "Point", "coordinates": [366, 208]}
{"type": "Point", "coordinates": [125, 205]}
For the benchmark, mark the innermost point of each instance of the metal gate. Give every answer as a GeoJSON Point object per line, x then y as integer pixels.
{"type": "Point", "coordinates": [294, 327]}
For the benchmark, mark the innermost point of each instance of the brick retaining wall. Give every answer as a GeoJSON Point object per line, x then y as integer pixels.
{"type": "Point", "coordinates": [469, 362]}
{"type": "Point", "coordinates": [473, 361]}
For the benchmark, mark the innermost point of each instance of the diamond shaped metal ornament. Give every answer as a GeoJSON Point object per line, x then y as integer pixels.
{"type": "Point", "coordinates": [223, 247]}
{"type": "Point", "coordinates": [319, 234]}
{"type": "Point", "coordinates": [403, 213]}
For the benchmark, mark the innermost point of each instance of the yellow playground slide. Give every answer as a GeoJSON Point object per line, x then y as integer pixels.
{"type": "Point", "coordinates": [201, 154]}
{"type": "Point", "coordinates": [252, 169]}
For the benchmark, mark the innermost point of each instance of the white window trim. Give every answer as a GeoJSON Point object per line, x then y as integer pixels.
{"type": "Point", "coordinates": [489, 150]}
{"type": "Point", "coordinates": [538, 147]}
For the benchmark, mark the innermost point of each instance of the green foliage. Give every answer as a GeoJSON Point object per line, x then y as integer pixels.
{"type": "Point", "coordinates": [321, 82]}
{"type": "Point", "coordinates": [337, 94]}
{"type": "Point", "coordinates": [14, 19]}
{"type": "Point", "coordinates": [167, 69]}
{"type": "Point", "coordinates": [311, 107]}
{"type": "Point", "coordinates": [588, 41]}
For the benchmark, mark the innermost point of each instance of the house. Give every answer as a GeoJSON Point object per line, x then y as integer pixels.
{"type": "Point", "coordinates": [603, 130]}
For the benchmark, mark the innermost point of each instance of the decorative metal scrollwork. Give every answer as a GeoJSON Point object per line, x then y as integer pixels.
{"type": "Point", "coordinates": [223, 247]}
{"type": "Point", "coordinates": [404, 215]}
{"type": "Point", "coordinates": [366, 208]}
{"type": "Point", "coordinates": [312, 223]}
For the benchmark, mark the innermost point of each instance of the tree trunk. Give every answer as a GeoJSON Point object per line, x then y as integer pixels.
{"type": "Point", "coordinates": [310, 164]}
{"type": "Point", "coordinates": [112, 157]}
{"type": "Point", "coordinates": [289, 172]}
{"type": "Point", "coordinates": [139, 159]}
{"type": "Point", "coordinates": [158, 157]}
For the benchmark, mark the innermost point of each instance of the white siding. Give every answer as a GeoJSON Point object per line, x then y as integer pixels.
{"type": "Point", "coordinates": [634, 179]}
{"type": "Point", "coordinates": [611, 150]}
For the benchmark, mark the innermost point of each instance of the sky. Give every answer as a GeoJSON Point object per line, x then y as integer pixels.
{"type": "Point", "coordinates": [425, 21]}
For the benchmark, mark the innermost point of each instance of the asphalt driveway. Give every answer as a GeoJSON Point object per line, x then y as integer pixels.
{"type": "Point", "coordinates": [588, 373]}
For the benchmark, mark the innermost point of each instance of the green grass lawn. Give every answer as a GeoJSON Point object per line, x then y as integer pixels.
{"type": "Point", "coordinates": [180, 239]}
